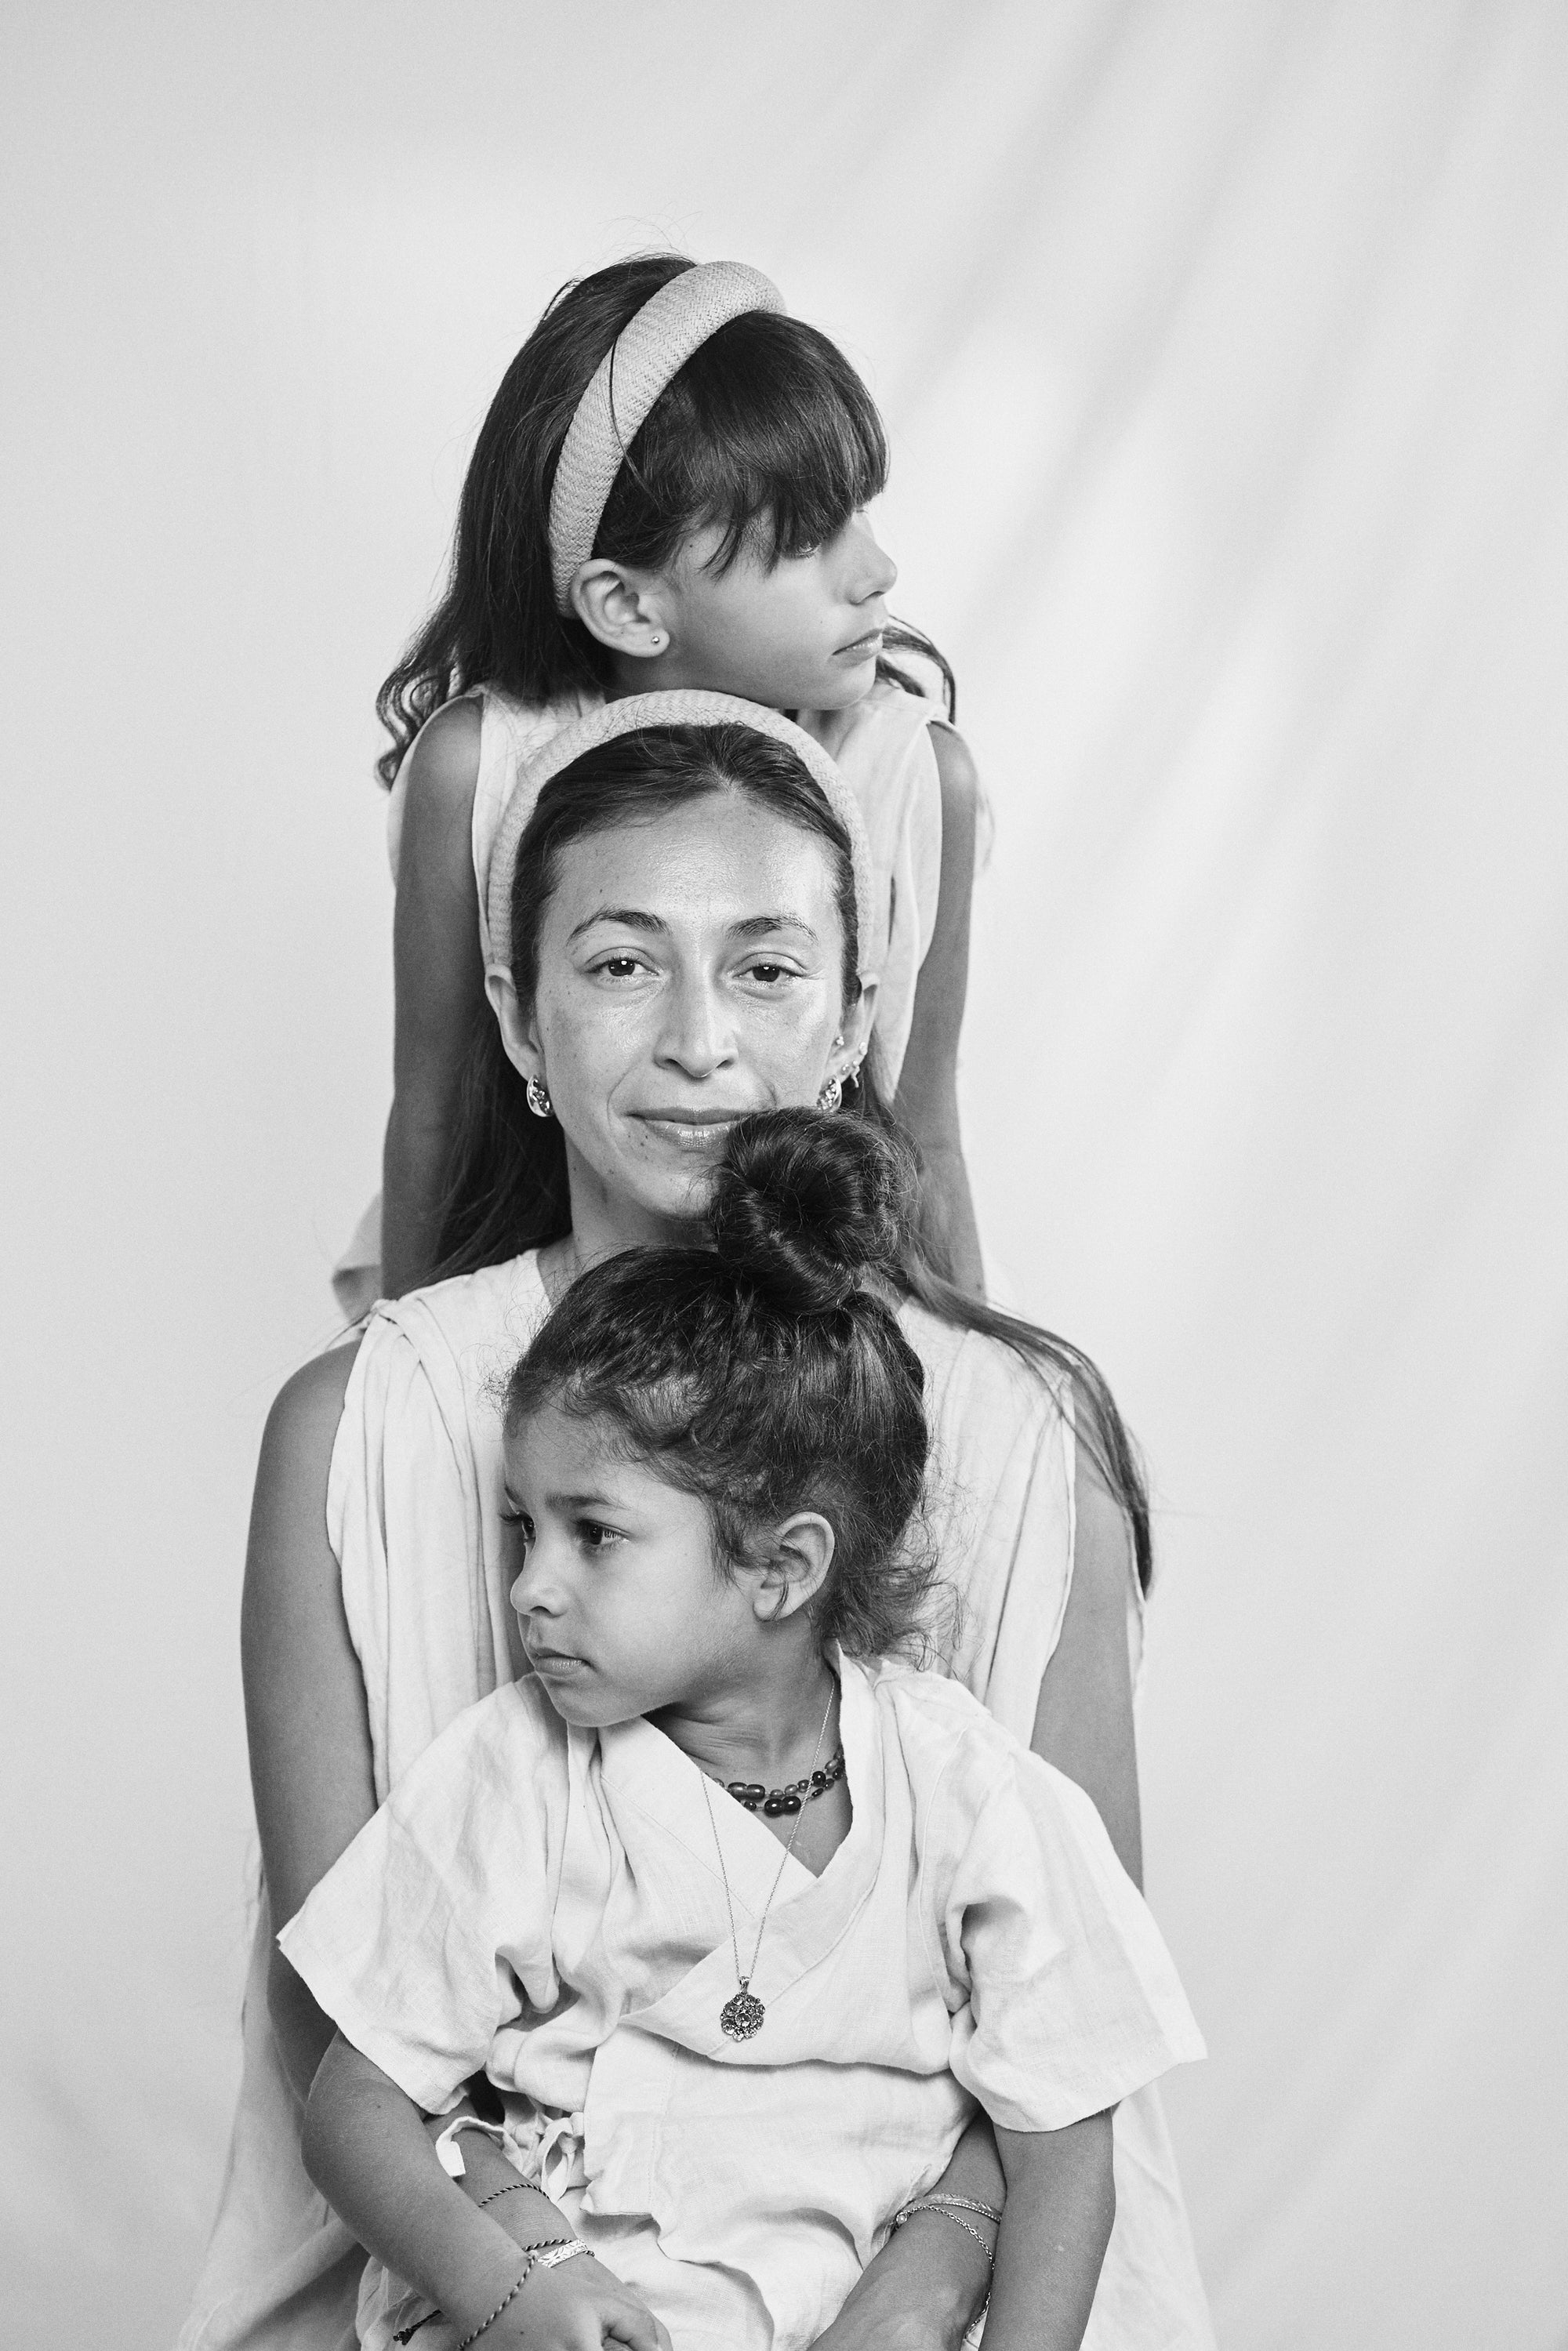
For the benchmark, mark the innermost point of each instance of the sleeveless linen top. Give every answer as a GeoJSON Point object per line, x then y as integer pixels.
{"type": "Point", "coordinates": [882, 749]}
{"type": "Point", "coordinates": [412, 1511]}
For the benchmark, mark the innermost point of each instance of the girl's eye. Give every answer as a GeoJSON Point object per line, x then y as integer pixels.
{"type": "Point", "coordinates": [594, 1537]}
{"type": "Point", "coordinates": [523, 1523]}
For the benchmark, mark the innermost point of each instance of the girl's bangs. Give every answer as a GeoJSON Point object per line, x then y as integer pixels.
{"type": "Point", "coordinates": [786, 458]}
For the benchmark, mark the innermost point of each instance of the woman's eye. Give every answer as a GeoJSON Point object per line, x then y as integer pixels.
{"type": "Point", "coordinates": [621, 967]}
{"type": "Point", "coordinates": [770, 974]}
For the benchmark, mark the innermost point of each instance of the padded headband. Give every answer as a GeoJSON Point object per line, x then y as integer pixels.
{"type": "Point", "coordinates": [650, 348]}
{"type": "Point", "coordinates": [629, 717]}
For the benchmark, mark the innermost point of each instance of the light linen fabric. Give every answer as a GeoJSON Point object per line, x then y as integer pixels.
{"type": "Point", "coordinates": [882, 749]}
{"type": "Point", "coordinates": [414, 1518]}
{"type": "Point", "coordinates": [548, 1903]}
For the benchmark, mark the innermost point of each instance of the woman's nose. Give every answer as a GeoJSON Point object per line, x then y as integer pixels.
{"type": "Point", "coordinates": [694, 1037]}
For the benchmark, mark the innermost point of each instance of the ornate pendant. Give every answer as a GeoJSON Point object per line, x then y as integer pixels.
{"type": "Point", "coordinates": [742, 2016]}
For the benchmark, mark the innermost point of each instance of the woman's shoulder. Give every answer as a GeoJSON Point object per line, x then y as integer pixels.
{"type": "Point", "coordinates": [489, 1302]}
{"type": "Point", "coordinates": [446, 1349]}
{"type": "Point", "coordinates": [969, 1370]}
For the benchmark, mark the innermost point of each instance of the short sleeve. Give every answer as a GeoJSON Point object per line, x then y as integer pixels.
{"type": "Point", "coordinates": [429, 1933]}
{"type": "Point", "coordinates": [1072, 1999]}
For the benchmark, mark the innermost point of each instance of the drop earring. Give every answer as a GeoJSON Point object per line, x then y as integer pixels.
{"type": "Point", "coordinates": [833, 1089]}
{"type": "Point", "coordinates": [538, 1100]}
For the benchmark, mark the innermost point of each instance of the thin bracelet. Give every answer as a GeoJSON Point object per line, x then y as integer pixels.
{"type": "Point", "coordinates": [511, 2189]}
{"type": "Point", "coordinates": [506, 2300]}
{"type": "Point", "coordinates": [940, 2212]}
{"type": "Point", "coordinates": [964, 2203]}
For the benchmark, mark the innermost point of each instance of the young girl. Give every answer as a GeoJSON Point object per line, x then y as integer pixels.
{"type": "Point", "coordinates": [667, 491]}
{"type": "Point", "coordinates": [741, 1917]}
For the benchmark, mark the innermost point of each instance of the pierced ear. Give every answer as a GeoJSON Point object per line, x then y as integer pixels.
{"type": "Point", "coordinates": [516, 1029]}
{"type": "Point", "coordinates": [860, 1017]}
{"type": "Point", "coordinates": [798, 1557]}
{"type": "Point", "coordinates": [621, 607]}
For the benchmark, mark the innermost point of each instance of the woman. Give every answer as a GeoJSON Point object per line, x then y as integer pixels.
{"type": "Point", "coordinates": [678, 946]}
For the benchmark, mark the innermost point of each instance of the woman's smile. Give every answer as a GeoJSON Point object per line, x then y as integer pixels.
{"type": "Point", "coordinates": [703, 1132]}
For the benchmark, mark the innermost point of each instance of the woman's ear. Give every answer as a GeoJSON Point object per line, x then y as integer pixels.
{"type": "Point", "coordinates": [855, 1031]}
{"type": "Point", "coordinates": [517, 1030]}
{"type": "Point", "coordinates": [622, 606]}
{"type": "Point", "coordinates": [798, 1555]}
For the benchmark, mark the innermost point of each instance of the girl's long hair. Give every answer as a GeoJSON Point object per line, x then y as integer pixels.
{"type": "Point", "coordinates": [507, 1189]}
{"type": "Point", "coordinates": [766, 432]}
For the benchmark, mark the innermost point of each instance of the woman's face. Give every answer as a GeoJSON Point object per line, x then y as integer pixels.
{"type": "Point", "coordinates": [690, 971]}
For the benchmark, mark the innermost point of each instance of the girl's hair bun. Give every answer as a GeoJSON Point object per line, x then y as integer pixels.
{"type": "Point", "coordinates": [804, 1204]}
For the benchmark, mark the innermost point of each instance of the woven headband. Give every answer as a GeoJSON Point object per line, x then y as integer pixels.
{"type": "Point", "coordinates": [676, 708]}
{"type": "Point", "coordinates": [649, 350]}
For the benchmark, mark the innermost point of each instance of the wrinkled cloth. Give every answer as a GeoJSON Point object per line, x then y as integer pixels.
{"type": "Point", "coordinates": [549, 1904]}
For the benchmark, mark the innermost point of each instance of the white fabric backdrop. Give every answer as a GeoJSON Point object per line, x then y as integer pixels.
{"type": "Point", "coordinates": [1225, 351]}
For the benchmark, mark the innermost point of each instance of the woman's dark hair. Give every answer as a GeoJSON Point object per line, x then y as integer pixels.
{"type": "Point", "coordinates": [762, 1374]}
{"type": "Point", "coordinates": [767, 431]}
{"type": "Point", "coordinates": [508, 1187]}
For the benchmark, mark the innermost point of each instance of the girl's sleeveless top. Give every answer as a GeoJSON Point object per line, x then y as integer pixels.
{"type": "Point", "coordinates": [412, 1511]}
{"type": "Point", "coordinates": [882, 749]}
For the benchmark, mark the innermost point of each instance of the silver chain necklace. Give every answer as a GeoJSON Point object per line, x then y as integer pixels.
{"type": "Point", "coordinates": [745, 2015]}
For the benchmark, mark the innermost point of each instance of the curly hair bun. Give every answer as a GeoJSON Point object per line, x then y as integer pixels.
{"type": "Point", "coordinates": [804, 1204]}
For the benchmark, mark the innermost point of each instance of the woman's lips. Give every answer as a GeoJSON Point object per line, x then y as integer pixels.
{"type": "Point", "coordinates": [706, 1131]}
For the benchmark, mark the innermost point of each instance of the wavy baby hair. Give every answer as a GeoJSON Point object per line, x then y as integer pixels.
{"type": "Point", "coordinates": [768, 1375]}
{"type": "Point", "coordinates": [766, 432]}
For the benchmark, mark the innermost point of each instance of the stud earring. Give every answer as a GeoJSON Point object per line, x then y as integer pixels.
{"type": "Point", "coordinates": [655, 640]}
{"type": "Point", "coordinates": [538, 1100]}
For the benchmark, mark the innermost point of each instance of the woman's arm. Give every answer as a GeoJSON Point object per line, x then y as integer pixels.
{"type": "Point", "coordinates": [928, 2284]}
{"type": "Point", "coordinates": [438, 987]}
{"type": "Point", "coordinates": [1083, 1723]}
{"type": "Point", "coordinates": [1060, 2203]}
{"type": "Point", "coordinates": [927, 1101]}
{"type": "Point", "coordinates": [304, 1698]}
{"type": "Point", "coordinates": [368, 2149]}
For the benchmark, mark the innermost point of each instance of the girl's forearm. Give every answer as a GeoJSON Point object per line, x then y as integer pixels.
{"type": "Point", "coordinates": [367, 2149]}
{"type": "Point", "coordinates": [1055, 2228]}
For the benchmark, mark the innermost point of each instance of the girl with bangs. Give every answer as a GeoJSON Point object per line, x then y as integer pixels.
{"type": "Point", "coordinates": [668, 493]}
